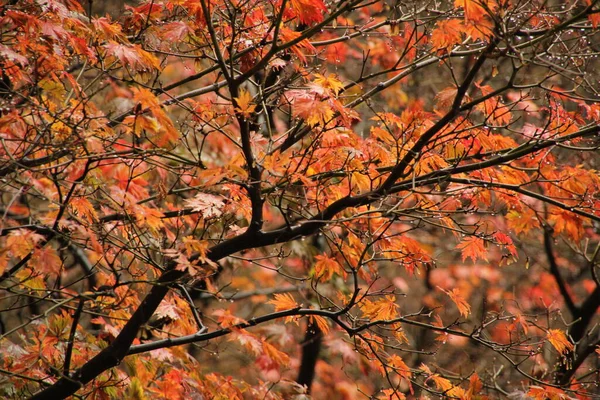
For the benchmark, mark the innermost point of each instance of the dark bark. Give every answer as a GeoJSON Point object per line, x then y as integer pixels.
{"type": "Point", "coordinates": [310, 355]}
{"type": "Point", "coordinates": [577, 332]}
{"type": "Point", "coordinates": [582, 316]}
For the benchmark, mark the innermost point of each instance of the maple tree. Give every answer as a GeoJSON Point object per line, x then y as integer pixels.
{"type": "Point", "coordinates": [234, 199]}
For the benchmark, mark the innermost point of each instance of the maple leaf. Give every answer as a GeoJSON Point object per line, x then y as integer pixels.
{"type": "Point", "coordinates": [132, 56]}
{"type": "Point", "coordinates": [176, 31]}
{"type": "Point", "coordinates": [474, 9]}
{"type": "Point", "coordinates": [289, 35]}
{"type": "Point", "coordinates": [391, 394]}
{"type": "Point", "coordinates": [360, 182]}
{"type": "Point", "coordinates": [8, 54]}
{"type": "Point", "coordinates": [313, 110]}
{"type": "Point", "coordinates": [208, 205]}
{"type": "Point", "coordinates": [546, 393]}
{"type": "Point", "coordinates": [321, 323]}
{"type": "Point", "coordinates": [326, 266]}
{"type": "Point", "coordinates": [519, 320]}
{"type": "Point", "coordinates": [559, 341]}
{"type": "Point", "coordinates": [398, 333]}
{"type": "Point", "coordinates": [472, 247]}
{"type": "Point", "coordinates": [445, 98]}
{"type": "Point", "coordinates": [145, 98]}
{"type": "Point", "coordinates": [522, 221]}
{"type": "Point", "coordinates": [193, 245]}
{"type": "Point", "coordinates": [48, 260]}
{"type": "Point", "coordinates": [567, 222]}
{"type": "Point", "coordinates": [463, 307]}
{"type": "Point", "coordinates": [148, 216]}
{"type": "Point", "coordinates": [249, 341]}
{"type": "Point", "coordinates": [21, 242]}
{"type": "Point", "coordinates": [309, 11]}
{"type": "Point", "coordinates": [480, 30]}
{"type": "Point", "coordinates": [396, 363]}
{"type": "Point", "coordinates": [244, 104]}
{"type": "Point", "coordinates": [169, 386]}
{"type": "Point", "coordinates": [110, 30]}
{"type": "Point", "coordinates": [226, 319]}
{"type": "Point", "coordinates": [384, 309]}
{"type": "Point", "coordinates": [329, 82]}
{"type": "Point", "coordinates": [167, 309]}
{"type": "Point", "coordinates": [493, 108]}
{"type": "Point", "coordinates": [447, 34]}
{"type": "Point", "coordinates": [81, 206]}
{"type": "Point", "coordinates": [475, 386]}
{"type": "Point", "coordinates": [136, 389]}
{"type": "Point", "coordinates": [283, 301]}
{"type": "Point", "coordinates": [506, 241]}
{"type": "Point", "coordinates": [278, 357]}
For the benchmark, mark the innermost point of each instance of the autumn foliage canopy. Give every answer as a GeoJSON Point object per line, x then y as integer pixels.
{"type": "Point", "coordinates": [294, 199]}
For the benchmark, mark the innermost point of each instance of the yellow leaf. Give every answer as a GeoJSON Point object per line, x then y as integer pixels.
{"type": "Point", "coordinates": [384, 309]}
{"type": "Point", "coordinates": [283, 301]}
{"type": "Point", "coordinates": [244, 103]}
{"type": "Point", "coordinates": [360, 183]}
{"type": "Point", "coordinates": [30, 281]}
{"type": "Point", "coordinates": [136, 390]}
{"type": "Point", "coordinates": [320, 114]}
{"type": "Point", "coordinates": [559, 341]}
{"type": "Point", "coordinates": [330, 82]}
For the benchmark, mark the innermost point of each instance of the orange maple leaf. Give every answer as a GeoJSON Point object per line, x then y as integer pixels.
{"type": "Point", "coordinates": [283, 301]}
{"type": "Point", "coordinates": [82, 207]}
{"type": "Point", "coordinates": [463, 307]}
{"type": "Point", "coordinates": [547, 393]}
{"type": "Point", "coordinates": [329, 82]}
{"type": "Point", "coordinates": [384, 309]}
{"type": "Point", "coordinates": [447, 34]}
{"type": "Point", "coordinates": [48, 260]}
{"type": "Point", "coordinates": [309, 11]}
{"type": "Point", "coordinates": [507, 242]}
{"type": "Point", "coordinates": [559, 341]}
{"type": "Point", "coordinates": [289, 35]}
{"type": "Point", "coordinates": [111, 30]}
{"type": "Point", "coordinates": [244, 103]}
{"type": "Point", "coordinates": [314, 111]}
{"type": "Point", "coordinates": [475, 386]}
{"type": "Point", "coordinates": [226, 319]}
{"type": "Point", "coordinates": [397, 364]}
{"type": "Point", "coordinates": [494, 110]}
{"type": "Point", "coordinates": [474, 9]}
{"type": "Point", "coordinates": [321, 323]}
{"type": "Point", "coordinates": [21, 242]}
{"type": "Point", "coordinates": [326, 267]}
{"type": "Point", "coordinates": [472, 247]}
{"type": "Point", "coordinates": [148, 216]}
